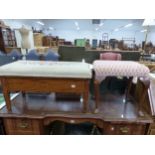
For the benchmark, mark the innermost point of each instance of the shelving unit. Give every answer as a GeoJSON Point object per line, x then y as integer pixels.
{"type": "Point", "coordinates": [105, 40]}
{"type": "Point", "coordinates": [130, 42]}
{"type": "Point", "coordinates": [38, 39]}
{"type": "Point", "coordinates": [7, 39]}
{"type": "Point", "coordinates": [49, 41]}
{"type": "Point", "coordinates": [54, 41]}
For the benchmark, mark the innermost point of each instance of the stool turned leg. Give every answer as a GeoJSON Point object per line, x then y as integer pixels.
{"type": "Point", "coordinates": [127, 92]}
{"type": "Point", "coordinates": [97, 95]}
{"type": "Point", "coordinates": [6, 94]}
{"type": "Point", "coordinates": [24, 99]}
{"type": "Point", "coordinates": [128, 89]}
{"type": "Point", "coordinates": [7, 99]}
{"type": "Point", "coordinates": [23, 94]}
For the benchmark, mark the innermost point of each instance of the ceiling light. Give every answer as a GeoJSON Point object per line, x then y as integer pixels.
{"type": "Point", "coordinates": [51, 28]}
{"type": "Point", "coordinates": [143, 30]}
{"type": "Point", "coordinates": [116, 30]}
{"type": "Point", "coordinates": [41, 23]}
{"type": "Point", "coordinates": [78, 28]}
{"type": "Point", "coordinates": [76, 23]}
{"type": "Point", "coordinates": [101, 24]}
{"type": "Point", "coordinates": [96, 28]}
{"type": "Point", "coordinates": [128, 25]}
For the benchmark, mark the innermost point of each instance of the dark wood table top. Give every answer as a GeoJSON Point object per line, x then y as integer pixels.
{"type": "Point", "coordinates": [112, 108]}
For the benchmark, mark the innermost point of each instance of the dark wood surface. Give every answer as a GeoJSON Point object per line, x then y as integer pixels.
{"type": "Point", "coordinates": [30, 114]}
{"type": "Point", "coordinates": [38, 106]}
{"type": "Point", "coordinates": [34, 111]}
{"type": "Point", "coordinates": [139, 95]}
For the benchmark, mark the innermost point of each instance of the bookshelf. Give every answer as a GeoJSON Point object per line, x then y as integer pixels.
{"type": "Point", "coordinates": [7, 38]}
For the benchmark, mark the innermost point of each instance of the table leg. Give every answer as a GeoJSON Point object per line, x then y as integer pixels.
{"type": "Point", "coordinates": [7, 99]}
{"type": "Point", "coordinates": [6, 94]}
{"type": "Point", "coordinates": [127, 91]}
{"type": "Point", "coordinates": [24, 99]}
{"type": "Point", "coordinates": [97, 95]}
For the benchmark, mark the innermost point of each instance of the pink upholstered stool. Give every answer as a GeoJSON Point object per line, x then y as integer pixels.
{"type": "Point", "coordinates": [110, 56]}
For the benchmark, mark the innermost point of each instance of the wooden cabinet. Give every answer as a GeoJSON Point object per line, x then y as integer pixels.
{"type": "Point", "coordinates": [22, 126]}
{"type": "Point", "coordinates": [53, 41]}
{"type": "Point", "coordinates": [38, 39]}
{"type": "Point", "coordinates": [49, 41]}
{"type": "Point", "coordinates": [7, 38]}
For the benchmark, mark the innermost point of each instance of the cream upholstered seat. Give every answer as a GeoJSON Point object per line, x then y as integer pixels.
{"type": "Point", "coordinates": [55, 69]}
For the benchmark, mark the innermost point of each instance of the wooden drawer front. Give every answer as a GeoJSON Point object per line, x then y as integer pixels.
{"type": "Point", "coordinates": [125, 129]}
{"type": "Point", "coordinates": [22, 126]}
{"type": "Point", "coordinates": [72, 86]}
{"type": "Point", "coordinates": [44, 85]}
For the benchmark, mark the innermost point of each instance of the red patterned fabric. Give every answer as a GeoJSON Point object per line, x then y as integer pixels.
{"type": "Point", "coordinates": [110, 56]}
{"type": "Point", "coordinates": [119, 68]}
